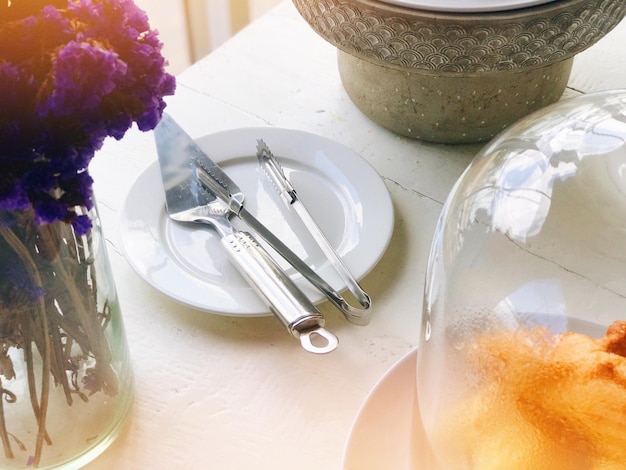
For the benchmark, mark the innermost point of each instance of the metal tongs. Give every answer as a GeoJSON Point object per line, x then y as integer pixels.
{"type": "Point", "coordinates": [287, 192]}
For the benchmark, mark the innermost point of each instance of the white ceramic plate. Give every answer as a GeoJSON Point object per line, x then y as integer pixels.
{"type": "Point", "coordinates": [467, 6]}
{"type": "Point", "coordinates": [387, 432]}
{"type": "Point", "coordinates": [343, 193]}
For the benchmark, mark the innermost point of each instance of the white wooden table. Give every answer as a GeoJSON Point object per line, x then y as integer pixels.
{"type": "Point", "coordinates": [220, 392]}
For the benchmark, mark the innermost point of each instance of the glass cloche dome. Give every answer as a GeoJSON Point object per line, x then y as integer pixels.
{"type": "Point", "coordinates": [522, 360]}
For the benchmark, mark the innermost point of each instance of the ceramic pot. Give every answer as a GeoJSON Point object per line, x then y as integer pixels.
{"type": "Point", "coordinates": [456, 77]}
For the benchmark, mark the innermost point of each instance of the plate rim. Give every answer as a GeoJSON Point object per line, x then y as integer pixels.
{"type": "Point", "coordinates": [384, 233]}
{"type": "Point", "coordinates": [452, 6]}
{"type": "Point", "coordinates": [388, 448]}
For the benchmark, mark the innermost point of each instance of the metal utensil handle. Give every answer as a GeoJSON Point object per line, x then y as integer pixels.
{"type": "Point", "coordinates": [351, 283]}
{"type": "Point", "coordinates": [352, 314]}
{"type": "Point", "coordinates": [294, 310]}
{"type": "Point", "coordinates": [274, 171]}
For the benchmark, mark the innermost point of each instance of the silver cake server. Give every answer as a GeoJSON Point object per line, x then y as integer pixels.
{"type": "Point", "coordinates": [288, 194]}
{"type": "Point", "coordinates": [187, 200]}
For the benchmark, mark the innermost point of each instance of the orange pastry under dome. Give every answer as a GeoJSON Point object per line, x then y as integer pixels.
{"type": "Point", "coordinates": [522, 363]}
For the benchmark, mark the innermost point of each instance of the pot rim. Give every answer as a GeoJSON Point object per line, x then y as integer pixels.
{"type": "Point", "coordinates": [412, 39]}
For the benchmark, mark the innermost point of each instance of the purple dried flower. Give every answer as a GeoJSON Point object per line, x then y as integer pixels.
{"type": "Point", "coordinates": [84, 74]}
{"type": "Point", "coordinates": [16, 284]}
{"type": "Point", "coordinates": [49, 210]}
{"type": "Point", "coordinates": [72, 72]}
{"type": "Point", "coordinates": [16, 279]}
{"type": "Point", "coordinates": [82, 224]}
{"type": "Point", "coordinates": [12, 196]}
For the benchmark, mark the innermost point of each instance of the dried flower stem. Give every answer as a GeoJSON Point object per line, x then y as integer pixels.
{"type": "Point", "coordinates": [4, 435]}
{"type": "Point", "coordinates": [65, 320]}
{"type": "Point", "coordinates": [40, 407]}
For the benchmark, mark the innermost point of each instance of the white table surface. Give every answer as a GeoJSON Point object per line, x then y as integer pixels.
{"type": "Point", "coordinates": [217, 392]}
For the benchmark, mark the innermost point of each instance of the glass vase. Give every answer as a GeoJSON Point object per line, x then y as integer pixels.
{"type": "Point", "coordinates": [522, 362]}
{"type": "Point", "coordinates": [65, 375]}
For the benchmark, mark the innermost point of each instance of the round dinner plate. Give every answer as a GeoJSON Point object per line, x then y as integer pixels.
{"type": "Point", "coordinates": [388, 432]}
{"type": "Point", "coordinates": [343, 193]}
{"type": "Point", "coordinates": [467, 6]}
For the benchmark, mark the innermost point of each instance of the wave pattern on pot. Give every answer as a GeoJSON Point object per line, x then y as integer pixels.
{"type": "Point", "coordinates": [462, 43]}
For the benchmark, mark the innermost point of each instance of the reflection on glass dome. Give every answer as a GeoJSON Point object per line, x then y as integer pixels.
{"type": "Point", "coordinates": [531, 244]}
